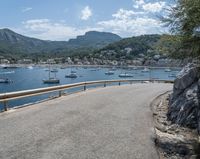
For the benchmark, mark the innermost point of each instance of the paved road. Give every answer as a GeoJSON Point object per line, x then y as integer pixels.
{"type": "Point", "coordinates": [106, 123]}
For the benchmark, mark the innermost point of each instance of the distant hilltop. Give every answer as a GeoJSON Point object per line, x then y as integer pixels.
{"type": "Point", "coordinates": [12, 43]}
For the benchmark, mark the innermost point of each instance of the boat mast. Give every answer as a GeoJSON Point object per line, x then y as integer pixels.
{"type": "Point", "coordinates": [49, 71]}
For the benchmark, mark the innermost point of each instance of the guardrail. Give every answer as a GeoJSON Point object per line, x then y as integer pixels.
{"type": "Point", "coordinates": [6, 97]}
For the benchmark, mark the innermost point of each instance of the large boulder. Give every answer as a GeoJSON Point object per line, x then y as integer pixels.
{"type": "Point", "coordinates": [184, 105]}
{"type": "Point", "coordinates": [184, 109]}
{"type": "Point", "coordinates": [187, 76]}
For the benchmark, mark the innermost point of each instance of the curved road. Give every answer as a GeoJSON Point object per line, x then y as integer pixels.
{"type": "Point", "coordinates": [105, 123]}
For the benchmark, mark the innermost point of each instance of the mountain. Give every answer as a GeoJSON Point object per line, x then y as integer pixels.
{"type": "Point", "coordinates": [94, 39]}
{"type": "Point", "coordinates": [12, 43]}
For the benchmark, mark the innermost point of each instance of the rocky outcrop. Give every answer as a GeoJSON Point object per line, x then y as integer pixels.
{"type": "Point", "coordinates": [172, 140]}
{"type": "Point", "coordinates": [184, 103]}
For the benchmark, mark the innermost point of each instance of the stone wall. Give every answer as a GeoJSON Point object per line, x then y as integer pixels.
{"type": "Point", "coordinates": [184, 106]}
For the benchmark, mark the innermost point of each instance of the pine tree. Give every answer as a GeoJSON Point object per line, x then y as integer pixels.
{"type": "Point", "coordinates": [184, 21]}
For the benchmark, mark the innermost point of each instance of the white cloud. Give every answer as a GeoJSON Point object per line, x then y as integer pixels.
{"type": "Point", "coordinates": [86, 13]}
{"type": "Point", "coordinates": [125, 14]}
{"type": "Point", "coordinates": [138, 3]}
{"type": "Point", "coordinates": [26, 9]}
{"type": "Point", "coordinates": [48, 30]}
{"type": "Point", "coordinates": [132, 27]}
{"type": "Point", "coordinates": [154, 7]}
{"type": "Point", "coordinates": [129, 23]}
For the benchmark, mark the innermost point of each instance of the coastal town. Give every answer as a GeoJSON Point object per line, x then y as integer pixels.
{"type": "Point", "coordinates": [156, 60]}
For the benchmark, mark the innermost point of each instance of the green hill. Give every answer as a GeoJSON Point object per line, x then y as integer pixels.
{"type": "Point", "coordinates": [130, 47]}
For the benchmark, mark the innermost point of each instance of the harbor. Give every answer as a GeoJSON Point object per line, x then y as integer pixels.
{"type": "Point", "coordinates": [25, 78]}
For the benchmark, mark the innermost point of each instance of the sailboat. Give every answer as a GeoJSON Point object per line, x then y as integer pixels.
{"type": "Point", "coordinates": [51, 80]}
{"type": "Point", "coordinates": [145, 69]}
{"type": "Point", "coordinates": [167, 70]}
{"type": "Point", "coordinates": [72, 74]}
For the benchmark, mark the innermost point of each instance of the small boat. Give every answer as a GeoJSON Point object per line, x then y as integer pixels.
{"type": "Point", "coordinates": [63, 67]}
{"type": "Point", "coordinates": [54, 70]}
{"type": "Point", "coordinates": [145, 70]}
{"type": "Point", "coordinates": [71, 75]}
{"type": "Point", "coordinates": [6, 80]}
{"type": "Point", "coordinates": [109, 73]}
{"type": "Point", "coordinates": [10, 67]}
{"type": "Point", "coordinates": [125, 75]}
{"type": "Point", "coordinates": [51, 80]}
{"type": "Point", "coordinates": [30, 67]}
{"type": "Point", "coordinates": [73, 71]}
{"type": "Point", "coordinates": [172, 75]}
{"type": "Point", "coordinates": [167, 70]}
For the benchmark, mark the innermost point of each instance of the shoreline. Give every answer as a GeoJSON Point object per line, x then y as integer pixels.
{"type": "Point", "coordinates": [89, 66]}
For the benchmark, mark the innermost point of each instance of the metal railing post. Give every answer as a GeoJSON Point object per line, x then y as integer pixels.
{"type": "Point", "coordinates": [60, 93]}
{"type": "Point", "coordinates": [5, 103]}
{"type": "Point", "coordinates": [84, 87]}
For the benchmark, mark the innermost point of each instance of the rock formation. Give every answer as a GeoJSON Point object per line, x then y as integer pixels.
{"type": "Point", "coordinates": [184, 106]}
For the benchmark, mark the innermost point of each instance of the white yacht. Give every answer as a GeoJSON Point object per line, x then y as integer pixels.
{"type": "Point", "coordinates": [145, 69]}
{"type": "Point", "coordinates": [125, 75]}
{"type": "Point", "coordinates": [110, 73]}
{"type": "Point", "coordinates": [71, 75]}
{"type": "Point", "coordinates": [168, 70]}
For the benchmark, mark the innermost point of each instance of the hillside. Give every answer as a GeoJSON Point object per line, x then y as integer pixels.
{"type": "Point", "coordinates": [12, 43]}
{"type": "Point", "coordinates": [129, 48]}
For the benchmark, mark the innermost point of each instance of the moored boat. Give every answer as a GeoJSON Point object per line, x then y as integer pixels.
{"type": "Point", "coordinates": [172, 75]}
{"type": "Point", "coordinates": [6, 80]}
{"type": "Point", "coordinates": [73, 71]}
{"type": "Point", "coordinates": [125, 75]}
{"type": "Point", "coordinates": [167, 70]}
{"type": "Point", "coordinates": [71, 75]}
{"type": "Point", "coordinates": [145, 69]}
{"type": "Point", "coordinates": [51, 80]}
{"type": "Point", "coordinates": [54, 70]}
{"type": "Point", "coordinates": [109, 73]}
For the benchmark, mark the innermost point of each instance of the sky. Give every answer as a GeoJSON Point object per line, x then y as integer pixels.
{"type": "Point", "coordinates": [65, 19]}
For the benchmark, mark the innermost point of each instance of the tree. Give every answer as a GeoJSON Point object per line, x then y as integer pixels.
{"type": "Point", "coordinates": [184, 21]}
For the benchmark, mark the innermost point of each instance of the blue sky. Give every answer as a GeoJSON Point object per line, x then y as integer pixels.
{"type": "Point", "coordinates": [65, 19]}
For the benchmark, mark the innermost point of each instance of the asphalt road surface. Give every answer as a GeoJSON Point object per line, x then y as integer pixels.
{"type": "Point", "coordinates": [105, 123]}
